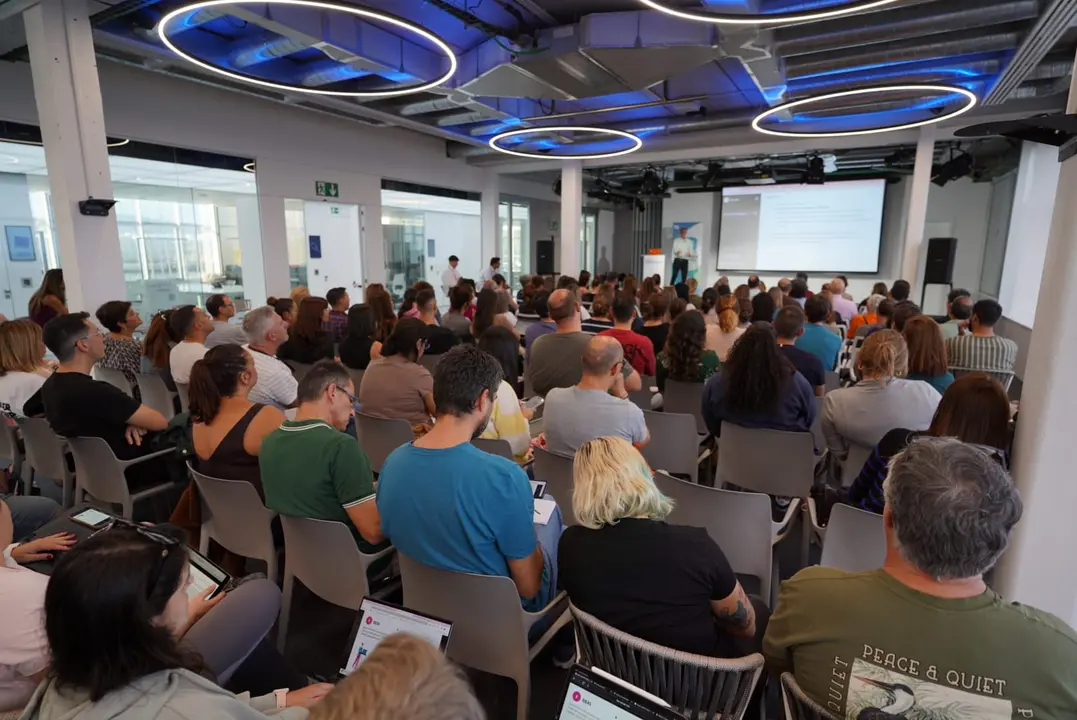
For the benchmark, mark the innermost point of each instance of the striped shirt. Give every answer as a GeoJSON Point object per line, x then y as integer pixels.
{"type": "Point", "coordinates": [276, 385]}
{"type": "Point", "coordinates": [976, 352]}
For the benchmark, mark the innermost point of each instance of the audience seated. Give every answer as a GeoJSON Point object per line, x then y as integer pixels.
{"type": "Point", "coordinates": [903, 312]}
{"type": "Point", "coordinates": [540, 306]}
{"type": "Point", "coordinates": [869, 317]}
{"type": "Point", "coordinates": [446, 504]}
{"type": "Point", "coordinates": [299, 294]}
{"type": "Point", "coordinates": [396, 385]}
{"type": "Point", "coordinates": [666, 584]}
{"type": "Point", "coordinates": [758, 387]}
{"type": "Point", "coordinates": [508, 420]}
{"type": "Point", "coordinates": [899, 291]}
{"type": "Point", "coordinates": [655, 321]}
{"type": "Point", "coordinates": [685, 357]}
{"type": "Point", "coordinates": [455, 320]}
{"type": "Point", "coordinates": [307, 342]}
{"type": "Point", "coordinates": [50, 300]}
{"type": "Point", "coordinates": [927, 353]}
{"type": "Point", "coordinates": [878, 288]}
{"type": "Point", "coordinates": [924, 636]}
{"type": "Point", "coordinates": [488, 312]}
{"type": "Point", "coordinates": [881, 401]}
{"type": "Point", "coordinates": [191, 325]}
{"type": "Point", "coordinates": [638, 351]}
{"type": "Point", "coordinates": [407, 305]}
{"type": "Point", "coordinates": [228, 428]}
{"type": "Point", "coordinates": [156, 347]}
{"type": "Point", "coordinates": [843, 307]}
{"type": "Point", "coordinates": [23, 368]}
{"type": "Point", "coordinates": [405, 678]}
{"type": "Point", "coordinates": [285, 307]}
{"type": "Point", "coordinates": [359, 346]}
{"type": "Point", "coordinates": [816, 337]}
{"type": "Point", "coordinates": [789, 325]}
{"type": "Point", "coordinates": [763, 307]}
{"type": "Point", "coordinates": [597, 406]}
{"type": "Point", "coordinates": [708, 303]}
{"type": "Point", "coordinates": [555, 358]}
{"type": "Point", "coordinates": [974, 409]}
{"type": "Point", "coordinates": [438, 339]}
{"type": "Point", "coordinates": [693, 296]}
{"type": "Point", "coordinates": [980, 349]}
{"type": "Point", "coordinates": [958, 312]}
{"type": "Point", "coordinates": [275, 384]}
{"type": "Point", "coordinates": [221, 310]}
{"type": "Point", "coordinates": [677, 306]}
{"type": "Point", "coordinates": [798, 290]}
{"type": "Point", "coordinates": [601, 313]}
{"type": "Point", "coordinates": [137, 650]}
{"type": "Point", "coordinates": [337, 322]}
{"type": "Point", "coordinates": [378, 298]}
{"type": "Point", "coordinates": [23, 515]}
{"type": "Point", "coordinates": [886, 316]}
{"type": "Point", "coordinates": [721, 337]}
{"type": "Point", "coordinates": [311, 468]}
{"type": "Point", "coordinates": [122, 351]}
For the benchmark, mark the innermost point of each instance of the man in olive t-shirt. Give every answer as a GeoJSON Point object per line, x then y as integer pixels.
{"type": "Point", "coordinates": [924, 637]}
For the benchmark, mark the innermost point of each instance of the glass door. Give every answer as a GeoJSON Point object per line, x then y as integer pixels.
{"type": "Point", "coordinates": [588, 238]}
{"type": "Point", "coordinates": [515, 219]}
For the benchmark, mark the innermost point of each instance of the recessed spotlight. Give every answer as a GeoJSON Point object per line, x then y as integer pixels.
{"type": "Point", "coordinates": [785, 18]}
{"type": "Point", "coordinates": [363, 13]}
{"type": "Point", "coordinates": [637, 143]}
{"type": "Point", "coordinates": [880, 89]}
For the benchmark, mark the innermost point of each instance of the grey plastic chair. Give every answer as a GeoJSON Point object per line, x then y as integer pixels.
{"type": "Point", "coordinates": [113, 377]}
{"type": "Point", "coordinates": [674, 444]}
{"type": "Point", "coordinates": [833, 380]}
{"type": "Point", "coordinates": [46, 456]}
{"type": "Point", "coordinates": [556, 471]}
{"type": "Point", "coordinates": [739, 522]}
{"type": "Point", "coordinates": [99, 473]}
{"type": "Point", "coordinates": [799, 706]}
{"type": "Point", "coordinates": [356, 376]}
{"type": "Point", "coordinates": [325, 558]}
{"type": "Point", "coordinates": [9, 450]}
{"type": "Point", "coordinates": [185, 402]}
{"type": "Point", "coordinates": [155, 394]}
{"type": "Point", "coordinates": [498, 447]}
{"type": "Point", "coordinates": [430, 362]}
{"type": "Point", "coordinates": [299, 370]}
{"type": "Point", "coordinates": [1006, 378]}
{"type": "Point", "coordinates": [490, 629]}
{"type": "Point", "coordinates": [234, 516]}
{"type": "Point", "coordinates": [817, 426]}
{"type": "Point", "coordinates": [855, 540]}
{"type": "Point", "coordinates": [380, 436]}
{"type": "Point", "coordinates": [642, 398]}
{"type": "Point", "coordinates": [854, 463]}
{"type": "Point", "coordinates": [687, 398]}
{"type": "Point", "coordinates": [696, 686]}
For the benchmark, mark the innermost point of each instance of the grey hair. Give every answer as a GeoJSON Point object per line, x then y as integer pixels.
{"type": "Point", "coordinates": [873, 302]}
{"type": "Point", "coordinates": [256, 323]}
{"type": "Point", "coordinates": [952, 506]}
{"type": "Point", "coordinates": [320, 376]}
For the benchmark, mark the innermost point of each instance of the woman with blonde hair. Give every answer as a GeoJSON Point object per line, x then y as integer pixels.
{"type": "Point", "coordinates": [299, 294]}
{"type": "Point", "coordinates": [722, 335]}
{"type": "Point", "coordinates": [23, 369]}
{"type": "Point", "coordinates": [666, 584]}
{"type": "Point", "coordinates": [882, 400]}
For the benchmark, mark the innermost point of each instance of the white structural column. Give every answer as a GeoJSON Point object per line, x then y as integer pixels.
{"type": "Point", "coordinates": [917, 214]}
{"type": "Point", "coordinates": [72, 123]}
{"type": "Point", "coordinates": [250, 250]}
{"type": "Point", "coordinates": [1038, 567]}
{"type": "Point", "coordinates": [490, 245]}
{"type": "Point", "coordinates": [568, 253]}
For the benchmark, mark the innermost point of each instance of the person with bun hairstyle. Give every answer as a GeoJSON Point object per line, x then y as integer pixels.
{"type": "Point", "coordinates": [722, 335]}
{"type": "Point", "coordinates": [157, 347]}
{"type": "Point", "coordinates": [285, 307]}
{"type": "Point", "coordinates": [396, 385]}
{"type": "Point", "coordinates": [707, 305]}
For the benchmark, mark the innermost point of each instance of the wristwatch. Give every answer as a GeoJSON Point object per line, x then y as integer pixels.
{"type": "Point", "coordinates": [281, 697]}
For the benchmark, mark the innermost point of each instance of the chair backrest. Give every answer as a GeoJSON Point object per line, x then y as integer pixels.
{"type": "Point", "coordinates": [1006, 378]}
{"type": "Point", "coordinates": [862, 332]}
{"type": "Point", "coordinates": [380, 436]}
{"type": "Point", "coordinates": [642, 398]}
{"type": "Point", "coordinates": [799, 706]}
{"type": "Point", "coordinates": [556, 471]}
{"type": "Point", "coordinates": [9, 444]}
{"type": "Point", "coordinates": [685, 398]}
{"type": "Point", "coordinates": [854, 463]}
{"type": "Point", "coordinates": [99, 472]}
{"type": "Point", "coordinates": [45, 450]}
{"type": "Point", "coordinates": [356, 376]}
{"type": "Point", "coordinates": [155, 394]}
{"type": "Point", "coordinates": [817, 426]}
{"type": "Point", "coordinates": [774, 462]}
{"type": "Point", "coordinates": [739, 522]}
{"type": "Point", "coordinates": [855, 540]}
{"type": "Point", "coordinates": [185, 401]}
{"type": "Point", "coordinates": [488, 631]}
{"type": "Point", "coordinates": [430, 362]}
{"type": "Point", "coordinates": [237, 518]}
{"type": "Point", "coordinates": [324, 556]}
{"type": "Point", "coordinates": [495, 447]}
{"type": "Point", "coordinates": [833, 380]}
{"type": "Point", "coordinates": [113, 377]}
{"type": "Point", "coordinates": [674, 445]}
{"type": "Point", "coordinates": [696, 686]}
{"type": "Point", "coordinates": [299, 370]}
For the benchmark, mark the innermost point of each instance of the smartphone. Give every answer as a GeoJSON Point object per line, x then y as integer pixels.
{"type": "Point", "coordinates": [532, 403]}
{"type": "Point", "coordinates": [91, 518]}
{"type": "Point", "coordinates": [538, 489]}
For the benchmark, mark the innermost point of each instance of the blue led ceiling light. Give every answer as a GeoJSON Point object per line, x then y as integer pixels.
{"type": "Point", "coordinates": [361, 13]}
{"type": "Point", "coordinates": [781, 18]}
{"type": "Point", "coordinates": [970, 97]}
{"type": "Point", "coordinates": [520, 135]}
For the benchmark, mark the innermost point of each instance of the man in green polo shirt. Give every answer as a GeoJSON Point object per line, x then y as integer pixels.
{"type": "Point", "coordinates": [312, 469]}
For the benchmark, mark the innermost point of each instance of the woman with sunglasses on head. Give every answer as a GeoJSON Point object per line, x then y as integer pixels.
{"type": "Point", "coordinates": [143, 649]}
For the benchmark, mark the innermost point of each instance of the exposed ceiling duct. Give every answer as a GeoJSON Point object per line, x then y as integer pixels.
{"type": "Point", "coordinates": [1045, 34]}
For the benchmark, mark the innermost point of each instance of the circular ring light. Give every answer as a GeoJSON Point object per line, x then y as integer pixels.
{"type": "Point", "coordinates": [637, 143]}
{"type": "Point", "coordinates": [249, 167]}
{"type": "Point", "coordinates": [851, 8]}
{"type": "Point", "coordinates": [968, 94]}
{"type": "Point", "coordinates": [108, 143]}
{"type": "Point", "coordinates": [361, 13]}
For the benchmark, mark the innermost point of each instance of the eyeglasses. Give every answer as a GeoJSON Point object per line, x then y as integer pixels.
{"type": "Point", "coordinates": [355, 400]}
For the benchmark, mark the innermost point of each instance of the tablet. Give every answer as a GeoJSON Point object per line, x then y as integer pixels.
{"type": "Point", "coordinates": [377, 620]}
{"type": "Point", "coordinates": [594, 695]}
{"type": "Point", "coordinates": [204, 574]}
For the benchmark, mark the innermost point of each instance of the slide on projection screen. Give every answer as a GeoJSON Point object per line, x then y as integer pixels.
{"type": "Point", "coordinates": [785, 228]}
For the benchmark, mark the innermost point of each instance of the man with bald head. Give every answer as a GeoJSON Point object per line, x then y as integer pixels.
{"type": "Point", "coordinates": [554, 360]}
{"type": "Point", "coordinates": [597, 406]}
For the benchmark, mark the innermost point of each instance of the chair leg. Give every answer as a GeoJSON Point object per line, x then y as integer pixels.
{"type": "Point", "coordinates": [523, 694]}
{"type": "Point", "coordinates": [805, 535]}
{"type": "Point", "coordinates": [203, 539]}
{"type": "Point", "coordinates": [272, 561]}
{"type": "Point", "coordinates": [285, 611]}
{"type": "Point", "coordinates": [128, 508]}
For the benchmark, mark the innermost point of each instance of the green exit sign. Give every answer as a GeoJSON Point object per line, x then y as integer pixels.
{"type": "Point", "coordinates": [327, 189]}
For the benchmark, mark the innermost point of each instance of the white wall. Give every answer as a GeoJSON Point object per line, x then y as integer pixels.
{"type": "Point", "coordinates": [453, 234]}
{"type": "Point", "coordinates": [604, 241]}
{"type": "Point", "coordinates": [21, 279]}
{"type": "Point", "coordinates": [337, 224]}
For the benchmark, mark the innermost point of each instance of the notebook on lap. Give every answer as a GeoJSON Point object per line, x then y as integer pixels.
{"type": "Point", "coordinates": [594, 695]}
{"type": "Point", "coordinates": [377, 620]}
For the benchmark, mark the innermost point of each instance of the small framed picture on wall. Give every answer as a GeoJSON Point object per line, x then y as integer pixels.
{"type": "Point", "coordinates": [20, 243]}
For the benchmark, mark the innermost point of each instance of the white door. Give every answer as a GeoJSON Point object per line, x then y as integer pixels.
{"type": "Point", "coordinates": [334, 230]}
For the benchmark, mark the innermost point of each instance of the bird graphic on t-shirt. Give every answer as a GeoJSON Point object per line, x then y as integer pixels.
{"type": "Point", "coordinates": [902, 699]}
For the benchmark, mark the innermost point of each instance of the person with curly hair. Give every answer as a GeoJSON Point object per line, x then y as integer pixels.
{"type": "Point", "coordinates": [685, 358]}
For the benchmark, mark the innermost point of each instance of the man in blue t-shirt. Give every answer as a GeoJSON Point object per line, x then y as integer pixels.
{"type": "Point", "coordinates": [817, 338]}
{"type": "Point", "coordinates": [447, 504]}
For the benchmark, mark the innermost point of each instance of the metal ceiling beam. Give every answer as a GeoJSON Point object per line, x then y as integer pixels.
{"type": "Point", "coordinates": [1045, 34]}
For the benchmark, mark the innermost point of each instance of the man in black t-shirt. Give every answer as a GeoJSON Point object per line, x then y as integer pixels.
{"type": "Point", "coordinates": [439, 340]}
{"type": "Point", "coordinates": [789, 325]}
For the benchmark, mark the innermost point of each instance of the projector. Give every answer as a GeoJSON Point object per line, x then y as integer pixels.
{"type": "Point", "coordinates": [760, 176]}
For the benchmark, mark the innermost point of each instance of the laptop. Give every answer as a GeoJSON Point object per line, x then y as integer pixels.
{"type": "Point", "coordinates": [377, 620]}
{"type": "Point", "coordinates": [595, 695]}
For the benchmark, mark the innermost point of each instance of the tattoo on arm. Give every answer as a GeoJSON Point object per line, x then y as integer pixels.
{"type": "Point", "coordinates": [736, 613]}
{"type": "Point", "coordinates": [738, 618]}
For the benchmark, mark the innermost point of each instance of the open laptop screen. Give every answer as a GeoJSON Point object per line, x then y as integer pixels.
{"type": "Point", "coordinates": [590, 696]}
{"type": "Point", "coordinates": [377, 620]}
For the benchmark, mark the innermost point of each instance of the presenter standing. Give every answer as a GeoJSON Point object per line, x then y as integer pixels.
{"type": "Point", "coordinates": [494, 269]}
{"type": "Point", "coordinates": [684, 251]}
{"type": "Point", "coordinates": [451, 276]}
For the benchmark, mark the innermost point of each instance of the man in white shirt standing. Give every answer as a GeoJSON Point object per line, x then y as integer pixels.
{"type": "Point", "coordinates": [194, 326]}
{"type": "Point", "coordinates": [684, 254]}
{"type": "Point", "coordinates": [451, 276]}
{"type": "Point", "coordinates": [276, 385]}
{"type": "Point", "coordinates": [494, 269]}
{"type": "Point", "coordinates": [221, 309]}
